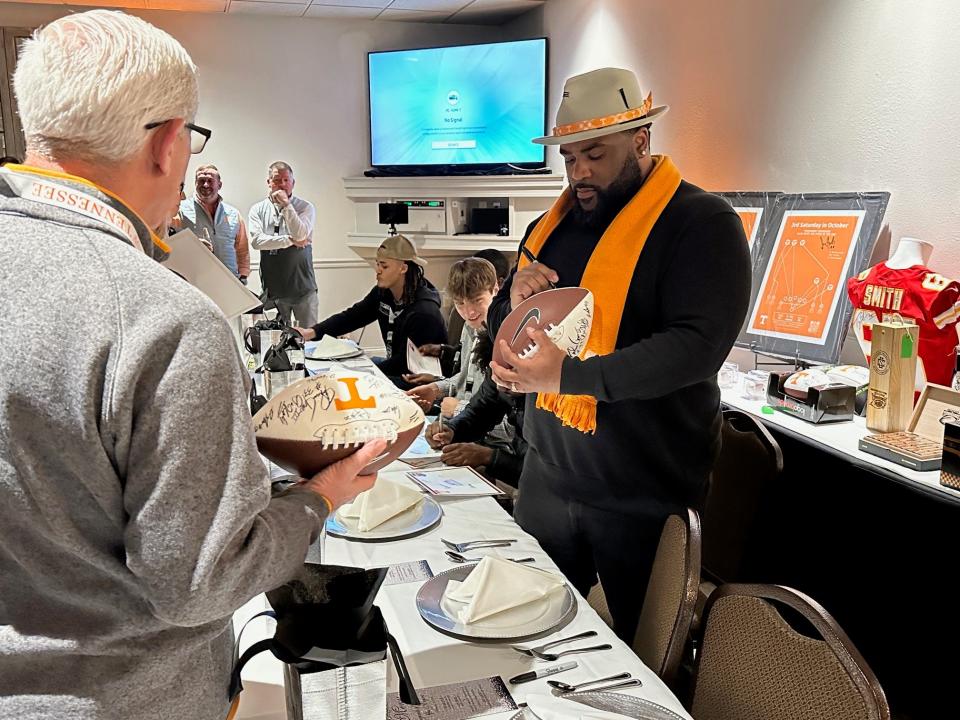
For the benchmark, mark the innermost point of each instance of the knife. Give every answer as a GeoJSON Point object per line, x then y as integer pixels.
{"type": "Point", "coordinates": [537, 674]}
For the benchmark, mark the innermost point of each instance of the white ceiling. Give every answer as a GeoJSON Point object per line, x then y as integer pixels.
{"type": "Point", "coordinates": [469, 12]}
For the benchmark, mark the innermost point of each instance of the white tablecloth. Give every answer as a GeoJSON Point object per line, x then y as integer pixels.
{"type": "Point", "coordinates": [436, 659]}
{"type": "Point", "coordinates": [841, 437]}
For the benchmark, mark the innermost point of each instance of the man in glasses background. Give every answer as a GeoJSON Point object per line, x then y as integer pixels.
{"type": "Point", "coordinates": [135, 512]}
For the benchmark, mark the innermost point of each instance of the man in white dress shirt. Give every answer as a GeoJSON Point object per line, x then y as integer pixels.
{"type": "Point", "coordinates": [281, 228]}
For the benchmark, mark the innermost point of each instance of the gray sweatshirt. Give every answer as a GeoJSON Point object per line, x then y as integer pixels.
{"type": "Point", "coordinates": [135, 512]}
{"type": "Point", "coordinates": [469, 375]}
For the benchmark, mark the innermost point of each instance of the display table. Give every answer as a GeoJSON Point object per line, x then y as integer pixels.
{"type": "Point", "coordinates": [870, 540]}
{"type": "Point", "coordinates": [841, 439]}
{"type": "Point", "coordinates": [435, 659]}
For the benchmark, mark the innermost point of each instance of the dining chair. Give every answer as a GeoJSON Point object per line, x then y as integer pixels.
{"type": "Point", "coordinates": [769, 652]}
{"type": "Point", "coordinates": [668, 606]}
{"type": "Point", "coordinates": [750, 461]}
{"type": "Point", "coordinates": [597, 599]}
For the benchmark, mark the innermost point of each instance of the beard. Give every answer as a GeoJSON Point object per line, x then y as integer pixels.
{"type": "Point", "coordinates": [610, 200]}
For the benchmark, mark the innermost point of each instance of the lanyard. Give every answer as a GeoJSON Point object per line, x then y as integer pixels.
{"type": "Point", "coordinates": [49, 192]}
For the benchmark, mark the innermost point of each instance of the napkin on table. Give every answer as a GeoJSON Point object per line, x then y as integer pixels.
{"type": "Point", "coordinates": [380, 503]}
{"type": "Point", "coordinates": [496, 585]}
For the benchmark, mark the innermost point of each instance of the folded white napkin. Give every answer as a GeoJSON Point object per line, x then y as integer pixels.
{"type": "Point", "coordinates": [496, 585]}
{"type": "Point", "coordinates": [380, 503]}
{"type": "Point", "coordinates": [548, 707]}
{"type": "Point", "coordinates": [331, 347]}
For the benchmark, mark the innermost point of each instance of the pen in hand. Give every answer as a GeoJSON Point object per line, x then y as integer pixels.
{"type": "Point", "coordinates": [533, 258]}
{"type": "Point", "coordinates": [438, 435]}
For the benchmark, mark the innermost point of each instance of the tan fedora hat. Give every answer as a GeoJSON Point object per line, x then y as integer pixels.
{"type": "Point", "coordinates": [398, 247]}
{"type": "Point", "coordinates": [601, 102]}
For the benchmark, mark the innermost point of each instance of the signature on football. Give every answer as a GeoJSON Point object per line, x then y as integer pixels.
{"type": "Point", "coordinates": [308, 399]}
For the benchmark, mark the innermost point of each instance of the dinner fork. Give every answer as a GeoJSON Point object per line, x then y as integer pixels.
{"type": "Point", "coordinates": [474, 544]}
{"type": "Point", "coordinates": [458, 558]}
{"type": "Point", "coordinates": [532, 652]}
{"type": "Point", "coordinates": [573, 651]}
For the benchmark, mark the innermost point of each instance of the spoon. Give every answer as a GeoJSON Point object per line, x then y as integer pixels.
{"type": "Point", "coordinates": [567, 687]}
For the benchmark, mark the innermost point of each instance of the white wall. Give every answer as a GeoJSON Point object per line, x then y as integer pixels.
{"type": "Point", "coordinates": [799, 96]}
{"type": "Point", "coordinates": [817, 95]}
{"type": "Point", "coordinates": [293, 89]}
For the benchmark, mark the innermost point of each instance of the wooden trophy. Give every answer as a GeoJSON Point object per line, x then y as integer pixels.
{"type": "Point", "coordinates": [893, 366]}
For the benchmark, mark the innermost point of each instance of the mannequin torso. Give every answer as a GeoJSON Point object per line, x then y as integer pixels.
{"type": "Point", "coordinates": [910, 252]}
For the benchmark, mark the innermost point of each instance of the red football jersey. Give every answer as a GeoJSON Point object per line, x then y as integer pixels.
{"type": "Point", "coordinates": [931, 300]}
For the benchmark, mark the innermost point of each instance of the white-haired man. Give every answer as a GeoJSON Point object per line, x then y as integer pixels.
{"type": "Point", "coordinates": [281, 228]}
{"type": "Point", "coordinates": [135, 513]}
{"type": "Point", "coordinates": [214, 220]}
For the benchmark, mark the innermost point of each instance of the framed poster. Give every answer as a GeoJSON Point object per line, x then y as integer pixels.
{"type": "Point", "coordinates": [811, 245]}
{"type": "Point", "coordinates": [754, 211]}
{"type": "Point", "coordinates": [805, 277]}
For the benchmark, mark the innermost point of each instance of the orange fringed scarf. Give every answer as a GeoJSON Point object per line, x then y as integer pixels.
{"type": "Point", "coordinates": [607, 275]}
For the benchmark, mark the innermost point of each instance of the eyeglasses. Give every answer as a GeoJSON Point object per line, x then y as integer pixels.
{"type": "Point", "coordinates": [198, 135]}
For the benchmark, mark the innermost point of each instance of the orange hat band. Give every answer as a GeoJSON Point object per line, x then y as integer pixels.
{"type": "Point", "coordinates": [597, 123]}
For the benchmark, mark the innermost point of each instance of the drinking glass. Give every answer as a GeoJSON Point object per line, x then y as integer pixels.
{"type": "Point", "coordinates": [729, 375]}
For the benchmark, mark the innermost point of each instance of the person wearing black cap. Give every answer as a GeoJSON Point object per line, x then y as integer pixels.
{"type": "Point", "coordinates": [403, 302]}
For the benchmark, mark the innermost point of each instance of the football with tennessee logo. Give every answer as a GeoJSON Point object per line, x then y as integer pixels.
{"type": "Point", "coordinates": [565, 314]}
{"type": "Point", "coordinates": [328, 416]}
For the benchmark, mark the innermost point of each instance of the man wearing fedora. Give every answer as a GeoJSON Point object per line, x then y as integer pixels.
{"type": "Point", "coordinates": [403, 302]}
{"type": "Point", "coordinates": [625, 435]}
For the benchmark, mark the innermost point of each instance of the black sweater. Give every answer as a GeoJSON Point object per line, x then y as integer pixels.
{"type": "Point", "coordinates": [420, 321]}
{"type": "Point", "coordinates": [658, 412]}
{"type": "Point", "coordinates": [486, 408]}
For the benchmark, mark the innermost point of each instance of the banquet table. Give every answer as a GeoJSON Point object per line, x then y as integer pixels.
{"type": "Point", "coordinates": [871, 541]}
{"type": "Point", "coordinates": [434, 659]}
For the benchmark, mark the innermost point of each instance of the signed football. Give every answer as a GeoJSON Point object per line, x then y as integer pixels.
{"type": "Point", "coordinates": [798, 384]}
{"type": "Point", "coordinates": [565, 314]}
{"type": "Point", "coordinates": [326, 417]}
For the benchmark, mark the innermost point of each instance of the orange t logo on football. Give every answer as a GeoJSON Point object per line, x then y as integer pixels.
{"type": "Point", "coordinates": [353, 401]}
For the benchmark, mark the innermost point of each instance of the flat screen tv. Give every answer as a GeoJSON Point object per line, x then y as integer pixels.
{"type": "Point", "coordinates": [469, 108]}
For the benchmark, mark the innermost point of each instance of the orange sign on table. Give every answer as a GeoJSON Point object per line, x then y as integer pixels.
{"type": "Point", "coordinates": [802, 283]}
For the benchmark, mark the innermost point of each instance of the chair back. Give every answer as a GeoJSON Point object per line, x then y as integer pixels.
{"type": "Point", "coordinates": [754, 665]}
{"type": "Point", "coordinates": [454, 326]}
{"type": "Point", "coordinates": [750, 460]}
{"type": "Point", "coordinates": [664, 626]}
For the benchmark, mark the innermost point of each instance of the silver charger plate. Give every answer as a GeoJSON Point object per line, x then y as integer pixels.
{"type": "Point", "coordinates": [526, 622]}
{"type": "Point", "coordinates": [626, 705]}
{"type": "Point", "coordinates": [412, 521]}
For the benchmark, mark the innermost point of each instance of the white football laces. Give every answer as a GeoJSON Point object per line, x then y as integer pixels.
{"type": "Point", "coordinates": [345, 436]}
{"type": "Point", "coordinates": [553, 332]}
